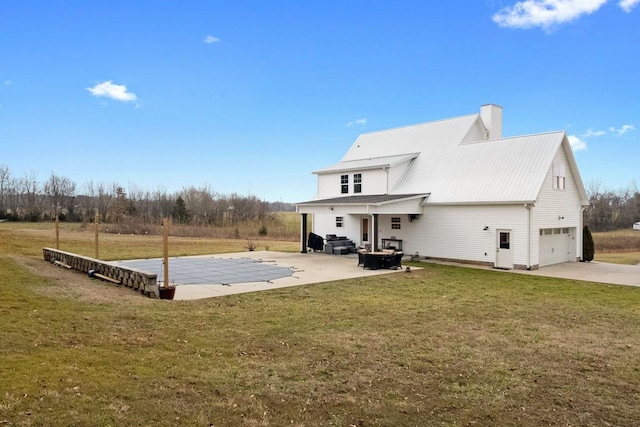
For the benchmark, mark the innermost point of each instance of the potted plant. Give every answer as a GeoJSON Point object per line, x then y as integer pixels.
{"type": "Point", "coordinates": [167, 292]}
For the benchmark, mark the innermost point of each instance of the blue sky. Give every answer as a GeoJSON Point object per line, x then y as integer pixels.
{"type": "Point", "coordinates": [251, 96]}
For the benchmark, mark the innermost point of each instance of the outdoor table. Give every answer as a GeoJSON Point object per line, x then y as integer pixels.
{"type": "Point", "coordinates": [378, 260]}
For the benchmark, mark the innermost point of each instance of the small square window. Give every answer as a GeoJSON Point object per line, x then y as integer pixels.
{"type": "Point", "coordinates": [395, 223]}
{"type": "Point", "coordinates": [339, 221]}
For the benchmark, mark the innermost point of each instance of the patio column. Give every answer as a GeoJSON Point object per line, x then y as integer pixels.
{"type": "Point", "coordinates": [304, 233]}
{"type": "Point", "coordinates": [375, 232]}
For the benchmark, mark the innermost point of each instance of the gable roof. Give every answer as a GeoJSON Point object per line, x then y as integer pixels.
{"type": "Point", "coordinates": [508, 170]}
{"type": "Point", "coordinates": [453, 162]}
{"type": "Point", "coordinates": [429, 138]}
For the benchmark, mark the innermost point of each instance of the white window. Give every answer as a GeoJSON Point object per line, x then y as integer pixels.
{"type": "Point", "coordinates": [559, 177]}
{"type": "Point", "coordinates": [357, 183]}
{"type": "Point", "coordinates": [395, 223]}
{"type": "Point", "coordinates": [344, 184]}
{"type": "Point", "coordinates": [339, 221]}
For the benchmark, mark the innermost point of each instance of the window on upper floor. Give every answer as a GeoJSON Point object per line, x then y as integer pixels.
{"type": "Point", "coordinates": [357, 183]}
{"type": "Point", "coordinates": [344, 184]}
{"type": "Point", "coordinates": [339, 221]}
{"type": "Point", "coordinates": [559, 177]}
{"type": "Point", "coordinates": [395, 223]}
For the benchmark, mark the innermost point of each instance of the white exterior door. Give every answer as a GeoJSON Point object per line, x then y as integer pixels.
{"type": "Point", "coordinates": [504, 255]}
{"type": "Point", "coordinates": [555, 246]}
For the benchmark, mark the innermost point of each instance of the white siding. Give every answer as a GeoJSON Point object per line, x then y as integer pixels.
{"type": "Point", "coordinates": [373, 182]}
{"type": "Point", "coordinates": [558, 208]}
{"type": "Point", "coordinates": [326, 224]}
{"type": "Point", "coordinates": [477, 132]}
{"type": "Point", "coordinates": [457, 232]}
{"type": "Point", "coordinates": [403, 207]}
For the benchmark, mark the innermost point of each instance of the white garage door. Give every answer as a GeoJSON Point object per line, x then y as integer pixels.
{"type": "Point", "coordinates": [555, 245]}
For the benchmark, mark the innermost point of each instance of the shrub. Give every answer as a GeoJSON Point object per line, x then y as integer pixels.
{"type": "Point", "coordinates": [263, 230]}
{"type": "Point", "coordinates": [588, 248]}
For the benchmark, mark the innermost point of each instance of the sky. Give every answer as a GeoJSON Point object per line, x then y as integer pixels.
{"type": "Point", "coordinates": [250, 97]}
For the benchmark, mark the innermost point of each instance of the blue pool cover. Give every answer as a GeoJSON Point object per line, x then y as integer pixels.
{"type": "Point", "coordinates": [200, 270]}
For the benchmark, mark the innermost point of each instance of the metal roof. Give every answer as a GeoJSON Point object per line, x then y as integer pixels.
{"type": "Point", "coordinates": [370, 163]}
{"type": "Point", "coordinates": [429, 138]}
{"type": "Point", "coordinates": [456, 165]}
{"type": "Point", "coordinates": [509, 170]}
{"type": "Point", "coordinates": [378, 199]}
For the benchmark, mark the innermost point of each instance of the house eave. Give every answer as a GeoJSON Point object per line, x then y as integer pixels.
{"type": "Point", "coordinates": [354, 200]}
{"type": "Point", "coordinates": [481, 203]}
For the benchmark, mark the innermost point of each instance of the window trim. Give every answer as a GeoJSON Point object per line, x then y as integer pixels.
{"type": "Point", "coordinates": [357, 183]}
{"type": "Point", "coordinates": [396, 223]}
{"type": "Point", "coordinates": [559, 176]}
{"type": "Point", "coordinates": [344, 184]}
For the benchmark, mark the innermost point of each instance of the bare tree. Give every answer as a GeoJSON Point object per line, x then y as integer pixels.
{"type": "Point", "coordinates": [105, 195]}
{"type": "Point", "coordinates": [4, 183]}
{"type": "Point", "coordinates": [30, 203]}
{"type": "Point", "coordinates": [60, 191]}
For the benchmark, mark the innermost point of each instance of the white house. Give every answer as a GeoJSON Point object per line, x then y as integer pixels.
{"type": "Point", "coordinates": [456, 189]}
{"type": "Point", "coordinates": [636, 225]}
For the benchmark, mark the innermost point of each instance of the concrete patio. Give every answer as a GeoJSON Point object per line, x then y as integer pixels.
{"type": "Point", "coordinates": [305, 269]}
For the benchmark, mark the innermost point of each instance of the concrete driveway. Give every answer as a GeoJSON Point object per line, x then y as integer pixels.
{"type": "Point", "coordinates": [600, 272]}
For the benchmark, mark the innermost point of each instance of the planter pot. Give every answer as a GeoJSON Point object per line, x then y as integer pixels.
{"type": "Point", "coordinates": [167, 293]}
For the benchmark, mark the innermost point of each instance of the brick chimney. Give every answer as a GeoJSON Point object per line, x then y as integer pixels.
{"type": "Point", "coordinates": [491, 115]}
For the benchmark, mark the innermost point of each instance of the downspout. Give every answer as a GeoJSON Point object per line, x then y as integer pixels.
{"type": "Point", "coordinates": [580, 235]}
{"type": "Point", "coordinates": [386, 169]}
{"type": "Point", "coordinates": [528, 206]}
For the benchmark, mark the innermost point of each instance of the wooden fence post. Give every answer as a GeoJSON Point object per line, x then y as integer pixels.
{"type": "Point", "coordinates": [165, 251]}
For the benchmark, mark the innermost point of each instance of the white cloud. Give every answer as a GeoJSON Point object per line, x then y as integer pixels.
{"type": "Point", "coordinates": [546, 13]}
{"type": "Point", "coordinates": [360, 122]}
{"type": "Point", "coordinates": [627, 5]}
{"type": "Point", "coordinates": [589, 133]}
{"type": "Point", "coordinates": [624, 129]}
{"type": "Point", "coordinates": [210, 39]}
{"type": "Point", "coordinates": [576, 143]}
{"type": "Point", "coordinates": [109, 90]}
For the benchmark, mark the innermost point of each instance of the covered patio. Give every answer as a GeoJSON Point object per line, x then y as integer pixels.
{"type": "Point", "coordinates": [373, 222]}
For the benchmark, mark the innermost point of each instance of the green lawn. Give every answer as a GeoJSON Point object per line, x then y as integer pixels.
{"type": "Point", "coordinates": [439, 346]}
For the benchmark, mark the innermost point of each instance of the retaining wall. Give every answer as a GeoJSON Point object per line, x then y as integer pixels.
{"type": "Point", "coordinates": [140, 281]}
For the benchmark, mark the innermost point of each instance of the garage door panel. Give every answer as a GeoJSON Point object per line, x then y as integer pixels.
{"type": "Point", "coordinates": [555, 246]}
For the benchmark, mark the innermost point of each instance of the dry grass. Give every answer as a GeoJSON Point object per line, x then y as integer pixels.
{"type": "Point", "coordinates": [619, 241]}
{"type": "Point", "coordinates": [441, 346]}
{"type": "Point", "coordinates": [29, 239]}
{"type": "Point", "coordinates": [619, 247]}
{"type": "Point", "coordinates": [630, 258]}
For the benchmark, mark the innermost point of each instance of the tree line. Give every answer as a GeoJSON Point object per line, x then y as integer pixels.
{"type": "Point", "coordinates": [27, 199]}
{"type": "Point", "coordinates": [612, 210]}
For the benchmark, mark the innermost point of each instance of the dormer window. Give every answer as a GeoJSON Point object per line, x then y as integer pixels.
{"type": "Point", "coordinates": [344, 184]}
{"type": "Point", "coordinates": [559, 177]}
{"type": "Point", "coordinates": [357, 183]}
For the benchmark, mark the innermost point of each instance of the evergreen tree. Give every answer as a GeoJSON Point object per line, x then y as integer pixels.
{"type": "Point", "coordinates": [180, 212]}
{"type": "Point", "coordinates": [588, 248]}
